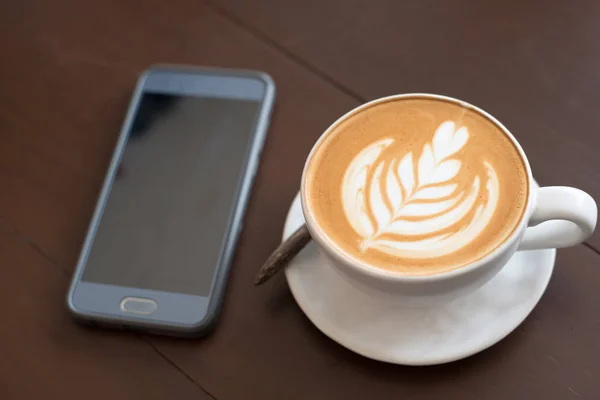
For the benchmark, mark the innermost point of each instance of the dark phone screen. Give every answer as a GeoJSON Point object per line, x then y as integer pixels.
{"type": "Point", "coordinates": [166, 216]}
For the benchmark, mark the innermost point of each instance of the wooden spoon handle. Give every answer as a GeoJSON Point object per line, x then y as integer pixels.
{"type": "Point", "coordinates": [283, 254]}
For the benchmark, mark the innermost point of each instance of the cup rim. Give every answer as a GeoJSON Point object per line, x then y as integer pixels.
{"type": "Point", "coordinates": [319, 236]}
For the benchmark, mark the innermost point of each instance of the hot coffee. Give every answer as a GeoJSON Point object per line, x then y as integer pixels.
{"type": "Point", "coordinates": [416, 185]}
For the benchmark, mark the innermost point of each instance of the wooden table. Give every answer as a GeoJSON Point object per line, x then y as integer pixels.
{"type": "Point", "coordinates": [67, 71]}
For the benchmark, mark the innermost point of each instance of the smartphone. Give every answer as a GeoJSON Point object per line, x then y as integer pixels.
{"type": "Point", "coordinates": [161, 239]}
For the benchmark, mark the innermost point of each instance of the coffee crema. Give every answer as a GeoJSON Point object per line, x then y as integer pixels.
{"type": "Point", "coordinates": [416, 185]}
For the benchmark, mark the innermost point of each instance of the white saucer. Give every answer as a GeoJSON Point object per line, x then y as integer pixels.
{"type": "Point", "coordinates": [386, 331]}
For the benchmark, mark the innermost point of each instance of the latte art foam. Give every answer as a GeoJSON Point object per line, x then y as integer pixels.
{"type": "Point", "coordinates": [416, 185]}
{"type": "Point", "coordinates": [412, 207]}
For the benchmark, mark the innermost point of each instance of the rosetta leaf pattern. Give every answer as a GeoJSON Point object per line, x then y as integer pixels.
{"type": "Point", "coordinates": [413, 195]}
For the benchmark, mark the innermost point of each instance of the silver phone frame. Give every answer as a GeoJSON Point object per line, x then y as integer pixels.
{"type": "Point", "coordinates": [177, 314]}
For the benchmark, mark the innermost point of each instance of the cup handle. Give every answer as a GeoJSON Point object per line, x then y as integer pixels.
{"type": "Point", "coordinates": [563, 217]}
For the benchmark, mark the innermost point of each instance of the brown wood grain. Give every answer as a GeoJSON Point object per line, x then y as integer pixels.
{"type": "Point", "coordinates": [67, 72]}
{"type": "Point", "coordinates": [68, 91]}
{"type": "Point", "coordinates": [44, 354]}
{"type": "Point", "coordinates": [533, 65]}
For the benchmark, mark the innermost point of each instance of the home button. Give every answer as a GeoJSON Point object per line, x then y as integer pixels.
{"type": "Point", "coordinates": [138, 305]}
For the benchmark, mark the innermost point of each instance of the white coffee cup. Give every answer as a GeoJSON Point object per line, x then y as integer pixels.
{"type": "Point", "coordinates": [554, 217]}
